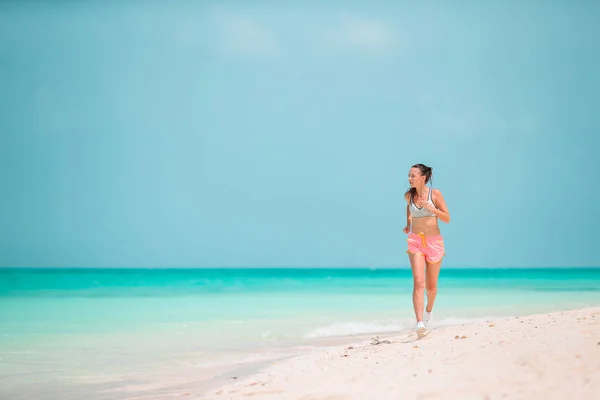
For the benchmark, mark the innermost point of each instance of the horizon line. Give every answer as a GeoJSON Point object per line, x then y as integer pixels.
{"type": "Point", "coordinates": [292, 267]}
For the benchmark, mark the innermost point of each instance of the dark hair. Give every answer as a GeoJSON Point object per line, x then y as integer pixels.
{"type": "Point", "coordinates": [427, 172]}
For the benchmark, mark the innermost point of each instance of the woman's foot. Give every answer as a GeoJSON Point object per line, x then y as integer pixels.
{"type": "Point", "coordinates": [428, 319]}
{"type": "Point", "coordinates": [421, 329]}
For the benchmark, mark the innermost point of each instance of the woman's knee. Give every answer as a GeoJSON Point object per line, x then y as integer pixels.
{"type": "Point", "coordinates": [431, 287]}
{"type": "Point", "coordinates": [419, 285]}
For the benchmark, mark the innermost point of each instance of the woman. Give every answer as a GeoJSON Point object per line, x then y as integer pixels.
{"type": "Point", "coordinates": [425, 206]}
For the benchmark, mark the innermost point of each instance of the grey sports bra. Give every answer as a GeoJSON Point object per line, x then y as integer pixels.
{"type": "Point", "coordinates": [417, 212]}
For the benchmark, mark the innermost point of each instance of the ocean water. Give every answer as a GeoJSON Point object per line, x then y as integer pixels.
{"type": "Point", "coordinates": [130, 333]}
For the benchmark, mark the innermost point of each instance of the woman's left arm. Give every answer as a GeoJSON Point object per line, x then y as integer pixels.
{"type": "Point", "coordinates": [442, 210]}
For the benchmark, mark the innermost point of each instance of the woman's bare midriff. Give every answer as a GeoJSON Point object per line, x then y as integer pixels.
{"type": "Point", "coordinates": [425, 225]}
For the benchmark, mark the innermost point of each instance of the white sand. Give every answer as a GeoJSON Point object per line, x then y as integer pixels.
{"type": "Point", "coordinates": [549, 356]}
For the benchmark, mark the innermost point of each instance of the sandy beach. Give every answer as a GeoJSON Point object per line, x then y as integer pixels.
{"type": "Point", "coordinates": [547, 356]}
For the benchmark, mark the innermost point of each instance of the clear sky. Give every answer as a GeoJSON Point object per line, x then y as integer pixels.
{"type": "Point", "coordinates": [267, 134]}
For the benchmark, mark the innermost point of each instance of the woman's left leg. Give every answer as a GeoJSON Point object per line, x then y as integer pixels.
{"type": "Point", "coordinates": [432, 273]}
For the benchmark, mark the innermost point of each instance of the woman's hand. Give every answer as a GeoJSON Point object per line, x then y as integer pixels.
{"type": "Point", "coordinates": [423, 203]}
{"type": "Point", "coordinates": [406, 229]}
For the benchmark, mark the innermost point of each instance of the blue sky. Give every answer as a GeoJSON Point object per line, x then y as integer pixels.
{"type": "Point", "coordinates": [266, 134]}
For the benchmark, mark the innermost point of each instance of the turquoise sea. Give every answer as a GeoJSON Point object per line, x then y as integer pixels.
{"type": "Point", "coordinates": [129, 333]}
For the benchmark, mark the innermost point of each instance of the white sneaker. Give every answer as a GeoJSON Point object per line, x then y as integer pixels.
{"type": "Point", "coordinates": [428, 319]}
{"type": "Point", "coordinates": [421, 329]}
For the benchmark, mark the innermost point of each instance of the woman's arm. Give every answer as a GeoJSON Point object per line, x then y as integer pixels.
{"type": "Point", "coordinates": [408, 217]}
{"type": "Point", "coordinates": [440, 209]}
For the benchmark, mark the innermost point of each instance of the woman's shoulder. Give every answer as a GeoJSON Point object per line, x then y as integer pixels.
{"type": "Point", "coordinates": [436, 194]}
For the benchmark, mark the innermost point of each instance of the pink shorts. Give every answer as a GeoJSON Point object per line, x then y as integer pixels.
{"type": "Point", "coordinates": [432, 247]}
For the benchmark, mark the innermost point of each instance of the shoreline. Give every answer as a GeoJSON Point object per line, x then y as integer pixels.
{"type": "Point", "coordinates": [531, 356]}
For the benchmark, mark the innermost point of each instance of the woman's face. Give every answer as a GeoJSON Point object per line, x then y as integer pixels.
{"type": "Point", "coordinates": [415, 178]}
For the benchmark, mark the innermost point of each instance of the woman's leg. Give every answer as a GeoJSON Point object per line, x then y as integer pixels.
{"type": "Point", "coordinates": [417, 263]}
{"type": "Point", "coordinates": [432, 274]}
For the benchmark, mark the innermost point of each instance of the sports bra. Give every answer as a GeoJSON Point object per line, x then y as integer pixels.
{"type": "Point", "coordinates": [417, 212]}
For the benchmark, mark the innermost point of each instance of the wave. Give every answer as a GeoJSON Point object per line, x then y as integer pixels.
{"type": "Point", "coordinates": [354, 328]}
{"type": "Point", "coordinates": [364, 328]}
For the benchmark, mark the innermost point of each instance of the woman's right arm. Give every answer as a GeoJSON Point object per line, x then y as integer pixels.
{"type": "Point", "coordinates": [408, 217]}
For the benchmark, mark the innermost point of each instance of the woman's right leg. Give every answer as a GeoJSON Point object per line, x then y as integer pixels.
{"type": "Point", "coordinates": [417, 263]}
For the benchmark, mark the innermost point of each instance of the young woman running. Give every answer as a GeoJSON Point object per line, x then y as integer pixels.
{"type": "Point", "coordinates": [425, 206]}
